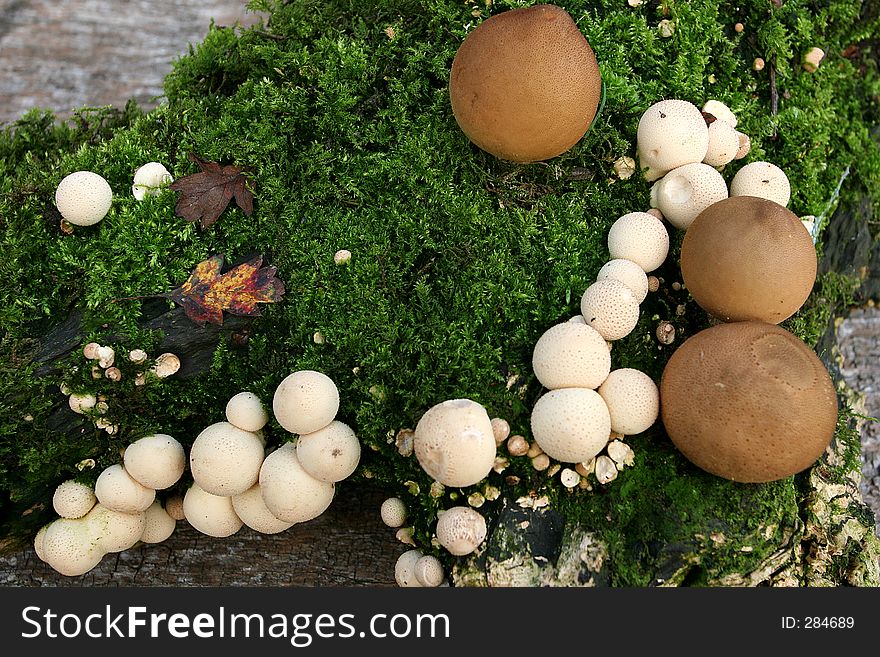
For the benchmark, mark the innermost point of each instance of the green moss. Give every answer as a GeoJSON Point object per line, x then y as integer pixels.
{"type": "Point", "coordinates": [460, 261]}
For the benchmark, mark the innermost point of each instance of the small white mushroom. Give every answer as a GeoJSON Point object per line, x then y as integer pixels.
{"type": "Point", "coordinates": [290, 493]}
{"type": "Point", "coordinates": [611, 308]}
{"type": "Point", "coordinates": [764, 180]}
{"type": "Point", "coordinates": [723, 144]}
{"type": "Point", "coordinates": [83, 198]}
{"type": "Point", "coordinates": [210, 514]}
{"type": "Point", "coordinates": [342, 257]}
{"type": "Point", "coordinates": [632, 399]}
{"type": "Point", "coordinates": [405, 568]}
{"type": "Point", "coordinates": [106, 356]}
{"type": "Point", "coordinates": [624, 167]}
{"type": "Point", "coordinates": [73, 499]}
{"type": "Point", "coordinates": [541, 462]}
{"type": "Point", "coordinates": [113, 373]}
{"type": "Point", "coordinates": [330, 454]}
{"type": "Point", "coordinates": [116, 490]}
{"type": "Point", "coordinates": [569, 478]}
{"type": "Point", "coordinates": [671, 133]}
{"type": "Point", "coordinates": [305, 401]}
{"type": "Point", "coordinates": [640, 237]}
{"type": "Point", "coordinates": [246, 411]}
{"type": "Point", "coordinates": [606, 471]}
{"type": "Point", "coordinates": [174, 507]}
{"type": "Point", "coordinates": [461, 530]}
{"type": "Point", "coordinates": [225, 460]}
{"type": "Point", "coordinates": [70, 548]}
{"type": "Point", "coordinates": [534, 450]}
{"type": "Point", "coordinates": [81, 402]}
{"type": "Point", "coordinates": [90, 351]}
{"type": "Point", "coordinates": [166, 365]}
{"type": "Point", "coordinates": [137, 356]}
{"type": "Point", "coordinates": [158, 525]}
{"type": "Point", "coordinates": [405, 536]}
{"type": "Point", "coordinates": [252, 509]}
{"type": "Point", "coordinates": [720, 111]}
{"type": "Point", "coordinates": [429, 571]}
{"type": "Point", "coordinates": [155, 461]}
{"type": "Point", "coordinates": [571, 425]}
{"type": "Point", "coordinates": [745, 146]}
{"type": "Point", "coordinates": [812, 58]}
{"type": "Point", "coordinates": [149, 180]}
{"type": "Point", "coordinates": [393, 512]}
{"type": "Point", "coordinates": [685, 192]}
{"type": "Point", "coordinates": [570, 355]}
{"type": "Point", "coordinates": [115, 531]}
{"type": "Point", "coordinates": [517, 445]}
{"type": "Point", "coordinates": [627, 272]}
{"type": "Point", "coordinates": [621, 454]}
{"type": "Point", "coordinates": [500, 429]}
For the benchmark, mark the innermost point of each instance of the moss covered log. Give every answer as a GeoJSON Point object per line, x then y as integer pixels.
{"type": "Point", "coordinates": [460, 262]}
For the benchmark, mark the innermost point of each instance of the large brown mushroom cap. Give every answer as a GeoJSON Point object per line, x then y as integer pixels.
{"type": "Point", "coordinates": [747, 258]}
{"type": "Point", "coordinates": [525, 84]}
{"type": "Point", "coordinates": [748, 401]}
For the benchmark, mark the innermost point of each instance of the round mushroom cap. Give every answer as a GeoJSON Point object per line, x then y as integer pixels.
{"type": "Point", "coordinates": [405, 568]}
{"type": "Point", "coordinates": [721, 112]}
{"type": "Point", "coordinates": [291, 494]}
{"type": "Point", "coordinates": [571, 355]}
{"type": "Point", "coordinates": [83, 198]}
{"type": "Point", "coordinates": [115, 531]}
{"type": "Point", "coordinates": [250, 507]}
{"type": "Point", "coordinates": [70, 548]}
{"type": "Point", "coordinates": [73, 499]}
{"type": "Point", "coordinates": [330, 454]}
{"type": "Point", "coordinates": [571, 425]}
{"type": "Point", "coordinates": [685, 192]}
{"type": "Point", "coordinates": [81, 402]}
{"type": "Point", "coordinates": [210, 514]}
{"type": "Point", "coordinates": [627, 272]}
{"type": "Point", "coordinates": [632, 399]}
{"type": "Point", "coordinates": [116, 490]}
{"type": "Point", "coordinates": [723, 144]}
{"type": "Point", "coordinates": [158, 525]}
{"type": "Point", "coordinates": [746, 258]}
{"type": "Point", "coordinates": [454, 442]}
{"type": "Point", "coordinates": [156, 461]}
{"type": "Point", "coordinates": [611, 308]}
{"type": "Point", "coordinates": [429, 571]}
{"type": "Point", "coordinates": [149, 180]}
{"type": "Point", "coordinates": [393, 512]}
{"type": "Point", "coordinates": [174, 507]}
{"type": "Point", "coordinates": [225, 460]}
{"type": "Point", "coordinates": [38, 543]}
{"type": "Point", "coordinates": [748, 401]}
{"type": "Point", "coordinates": [305, 401]}
{"type": "Point", "coordinates": [246, 411]}
{"type": "Point", "coordinates": [671, 133]}
{"type": "Point", "coordinates": [461, 530]}
{"type": "Point", "coordinates": [640, 237]}
{"type": "Point", "coordinates": [525, 84]}
{"type": "Point", "coordinates": [763, 180]}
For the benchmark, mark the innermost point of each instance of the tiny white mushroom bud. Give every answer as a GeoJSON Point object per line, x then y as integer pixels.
{"type": "Point", "coordinates": [85, 464]}
{"type": "Point", "coordinates": [501, 464]}
{"type": "Point", "coordinates": [112, 429]}
{"type": "Point", "coordinates": [461, 530]}
{"type": "Point", "coordinates": [90, 351]}
{"type": "Point", "coordinates": [624, 167]}
{"type": "Point", "coordinates": [621, 454]}
{"type": "Point", "coordinates": [405, 568]}
{"type": "Point", "coordinates": [437, 490]}
{"type": "Point", "coordinates": [584, 469]}
{"type": "Point", "coordinates": [517, 446]}
{"type": "Point", "coordinates": [429, 571]}
{"type": "Point", "coordinates": [653, 283]}
{"type": "Point", "coordinates": [541, 462]}
{"type": "Point", "coordinates": [569, 478]}
{"type": "Point", "coordinates": [140, 379]}
{"type": "Point", "coordinates": [476, 500]}
{"type": "Point", "coordinates": [81, 402]}
{"type": "Point", "coordinates": [83, 198]}
{"type": "Point", "coordinates": [534, 450]}
{"type": "Point", "coordinates": [553, 469]}
{"type": "Point", "coordinates": [405, 536]}
{"type": "Point", "coordinates": [149, 180]}
{"type": "Point", "coordinates": [137, 356]}
{"type": "Point", "coordinates": [606, 471]}
{"type": "Point", "coordinates": [65, 389]}
{"type": "Point", "coordinates": [318, 338]}
{"type": "Point", "coordinates": [812, 58]}
{"type": "Point", "coordinates": [500, 429]}
{"type": "Point", "coordinates": [758, 64]}
{"type": "Point", "coordinates": [342, 257]}
{"type": "Point", "coordinates": [166, 365]}
{"type": "Point", "coordinates": [393, 512]}
{"type": "Point", "coordinates": [666, 28]}
{"type": "Point", "coordinates": [745, 146]}
{"type": "Point", "coordinates": [106, 355]}
{"type": "Point", "coordinates": [404, 442]}
{"type": "Point", "coordinates": [113, 373]}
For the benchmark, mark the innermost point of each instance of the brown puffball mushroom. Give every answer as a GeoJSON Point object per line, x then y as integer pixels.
{"type": "Point", "coordinates": [747, 258]}
{"type": "Point", "coordinates": [525, 84]}
{"type": "Point", "coordinates": [748, 401]}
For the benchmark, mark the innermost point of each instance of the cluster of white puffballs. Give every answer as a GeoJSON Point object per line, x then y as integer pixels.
{"type": "Point", "coordinates": [119, 512]}
{"type": "Point", "coordinates": [685, 148]}
{"type": "Point", "coordinates": [83, 197]}
{"type": "Point", "coordinates": [235, 483]}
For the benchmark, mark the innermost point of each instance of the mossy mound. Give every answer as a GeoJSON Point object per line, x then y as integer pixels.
{"type": "Point", "coordinates": [460, 261]}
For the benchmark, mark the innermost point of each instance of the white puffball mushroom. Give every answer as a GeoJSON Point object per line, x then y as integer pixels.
{"type": "Point", "coordinates": [571, 425]}
{"type": "Point", "coordinates": [90, 351]}
{"type": "Point", "coordinates": [611, 308]}
{"type": "Point", "coordinates": [461, 530]}
{"type": "Point", "coordinates": [393, 512]}
{"type": "Point", "coordinates": [671, 133]}
{"type": "Point", "coordinates": [81, 402]}
{"type": "Point", "coordinates": [116, 490]}
{"type": "Point", "coordinates": [166, 364]}
{"type": "Point", "coordinates": [764, 180]}
{"type": "Point", "coordinates": [305, 401]}
{"type": "Point", "coordinates": [149, 180]}
{"type": "Point", "coordinates": [723, 144]}
{"type": "Point", "coordinates": [70, 548]}
{"type": "Point", "coordinates": [156, 461]}
{"type": "Point", "coordinates": [73, 499]}
{"type": "Point", "coordinates": [158, 525]}
{"type": "Point", "coordinates": [210, 514]}
{"type": "Point", "coordinates": [627, 272]}
{"type": "Point", "coordinates": [685, 192]}
{"type": "Point", "coordinates": [454, 442]}
{"type": "Point", "coordinates": [330, 454]}
{"type": "Point", "coordinates": [633, 400]}
{"type": "Point", "coordinates": [405, 568]}
{"type": "Point", "coordinates": [252, 509]}
{"type": "Point", "coordinates": [38, 543]}
{"type": "Point", "coordinates": [225, 460]}
{"type": "Point", "coordinates": [291, 494]}
{"type": "Point", "coordinates": [720, 111]}
{"type": "Point", "coordinates": [246, 411]}
{"type": "Point", "coordinates": [571, 355]}
{"type": "Point", "coordinates": [429, 571]}
{"type": "Point", "coordinates": [83, 198]}
{"type": "Point", "coordinates": [115, 531]}
{"type": "Point", "coordinates": [640, 237]}
{"type": "Point", "coordinates": [174, 507]}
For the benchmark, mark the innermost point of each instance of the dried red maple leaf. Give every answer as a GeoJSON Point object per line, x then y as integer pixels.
{"type": "Point", "coordinates": [207, 292]}
{"type": "Point", "coordinates": [206, 194]}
